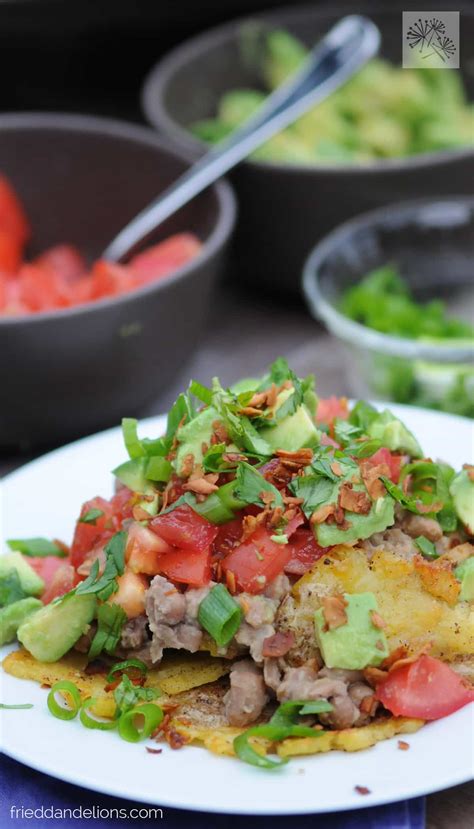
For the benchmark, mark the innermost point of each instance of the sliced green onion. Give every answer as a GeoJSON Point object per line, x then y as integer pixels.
{"type": "Point", "coordinates": [288, 712]}
{"type": "Point", "coordinates": [213, 509]}
{"type": "Point", "coordinates": [23, 705]}
{"type": "Point", "coordinates": [272, 732]}
{"type": "Point", "coordinates": [92, 721]}
{"type": "Point", "coordinates": [220, 615]}
{"type": "Point", "coordinates": [131, 440]}
{"type": "Point", "coordinates": [201, 392]}
{"type": "Point", "coordinates": [228, 497]}
{"type": "Point", "coordinates": [91, 516]}
{"type": "Point", "coordinates": [123, 667]}
{"type": "Point", "coordinates": [316, 706]}
{"type": "Point", "coordinates": [73, 698]}
{"type": "Point", "coordinates": [158, 469]}
{"type": "Point", "coordinates": [426, 547]}
{"type": "Point", "coordinates": [36, 547]}
{"type": "Point", "coordinates": [151, 716]}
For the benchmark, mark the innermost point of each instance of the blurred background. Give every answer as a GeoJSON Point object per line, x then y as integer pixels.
{"type": "Point", "coordinates": [92, 57]}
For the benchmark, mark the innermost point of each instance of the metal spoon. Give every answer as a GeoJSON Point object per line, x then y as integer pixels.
{"type": "Point", "coordinates": [346, 47]}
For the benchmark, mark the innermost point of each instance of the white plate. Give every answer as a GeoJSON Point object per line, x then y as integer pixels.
{"type": "Point", "coordinates": [43, 498]}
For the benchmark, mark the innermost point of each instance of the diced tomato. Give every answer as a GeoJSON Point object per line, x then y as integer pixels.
{"type": "Point", "coordinates": [57, 573]}
{"type": "Point", "coordinates": [304, 552]}
{"type": "Point", "coordinates": [167, 256]}
{"type": "Point", "coordinates": [12, 214]}
{"type": "Point", "coordinates": [144, 550]}
{"type": "Point", "coordinates": [187, 567]}
{"type": "Point", "coordinates": [393, 462]}
{"type": "Point", "coordinates": [110, 279]}
{"type": "Point", "coordinates": [41, 289]}
{"type": "Point", "coordinates": [122, 505]}
{"type": "Point", "coordinates": [131, 594]}
{"type": "Point", "coordinates": [64, 260]}
{"type": "Point", "coordinates": [427, 688]}
{"type": "Point", "coordinates": [330, 408]}
{"type": "Point", "coordinates": [10, 252]}
{"type": "Point", "coordinates": [227, 537]}
{"type": "Point", "coordinates": [87, 536]}
{"type": "Point", "coordinates": [257, 561]}
{"type": "Point", "coordinates": [63, 580]}
{"type": "Point", "coordinates": [185, 529]}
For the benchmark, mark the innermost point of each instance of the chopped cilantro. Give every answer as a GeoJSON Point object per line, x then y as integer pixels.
{"type": "Point", "coordinates": [36, 547]}
{"type": "Point", "coordinates": [426, 547]}
{"type": "Point", "coordinates": [251, 484]}
{"type": "Point", "coordinates": [91, 516]}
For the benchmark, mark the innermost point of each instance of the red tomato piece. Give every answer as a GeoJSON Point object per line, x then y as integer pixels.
{"type": "Point", "coordinates": [187, 567]}
{"type": "Point", "coordinates": [41, 289]}
{"type": "Point", "coordinates": [165, 257]}
{"type": "Point", "coordinates": [13, 218]}
{"type": "Point", "coordinates": [393, 462]}
{"type": "Point", "coordinates": [64, 260]}
{"type": "Point", "coordinates": [63, 580]}
{"type": "Point", "coordinates": [293, 524]}
{"type": "Point", "coordinates": [257, 561]}
{"type": "Point", "coordinates": [110, 279]}
{"type": "Point", "coordinates": [304, 552]}
{"type": "Point", "coordinates": [122, 505]}
{"type": "Point", "coordinates": [87, 536]}
{"type": "Point", "coordinates": [185, 529]}
{"type": "Point", "coordinates": [330, 408]}
{"type": "Point", "coordinates": [326, 440]}
{"type": "Point", "coordinates": [427, 688]}
{"type": "Point", "coordinates": [10, 252]}
{"type": "Point", "coordinates": [144, 550]}
{"type": "Point", "coordinates": [228, 536]}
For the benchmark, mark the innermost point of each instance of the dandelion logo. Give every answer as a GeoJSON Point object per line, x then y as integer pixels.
{"type": "Point", "coordinates": [431, 39]}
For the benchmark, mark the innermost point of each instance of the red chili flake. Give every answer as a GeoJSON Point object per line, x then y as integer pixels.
{"type": "Point", "coordinates": [362, 789]}
{"type": "Point", "coordinates": [153, 750]}
{"type": "Point", "coordinates": [403, 746]}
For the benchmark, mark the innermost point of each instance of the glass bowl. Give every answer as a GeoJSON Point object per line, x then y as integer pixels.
{"type": "Point", "coordinates": [432, 243]}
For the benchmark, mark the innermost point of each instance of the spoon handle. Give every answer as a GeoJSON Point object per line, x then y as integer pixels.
{"type": "Point", "coordinates": [346, 47]}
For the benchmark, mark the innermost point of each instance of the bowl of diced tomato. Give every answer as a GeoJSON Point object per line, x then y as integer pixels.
{"type": "Point", "coordinates": [82, 339]}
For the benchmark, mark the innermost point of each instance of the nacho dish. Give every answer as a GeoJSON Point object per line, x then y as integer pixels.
{"type": "Point", "coordinates": [276, 575]}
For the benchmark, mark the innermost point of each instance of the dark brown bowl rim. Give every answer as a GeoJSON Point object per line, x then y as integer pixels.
{"type": "Point", "coordinates": [156, 113]}
{"type": "Point", "coordinates": [219, 235]}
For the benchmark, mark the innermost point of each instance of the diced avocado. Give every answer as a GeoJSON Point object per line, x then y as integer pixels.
{"type": "Point", "coordinates": [12, 616]}
{"type": "Point", "coordinates": [29, 579]}
{"type": "Point", "coordinates": [52, 631]}
{"type": "Point", "coordinates": [465, 574]}
{"type": "Point", "coordinates": [462, 491]}
{"type": "Point", "coordinates": [294, 431]}
{"type": "Point", "coordinates": [132, 474]}
{"type": "Point", "coordinates": [356, 644]}
{"type": "Point", "coordinates": [394, 435]}
{"type": "Point", "coordinates": [193, 434]}
{"type": "Point", "coordinates": [380, 517]}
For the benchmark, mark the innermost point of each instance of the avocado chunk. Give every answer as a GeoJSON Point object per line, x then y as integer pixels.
{"type": "Point", "coordinates": [465, 574]}
{"type": "Point", "coordinates": [132, 474]}
{"type": "Point", "coordinates": [52, 631]}
{"type": "Point", "coordinates": [356, 644]}
{"type": "Point", "coordinates": [462, 491]}
{"type": "Point", "coordinates": [30, 582]}
{"type": "Point", "coordinates": [193, 434]}
{"type": "Point", "coordinates": [294, 431]}
{"type": "Point", "coordinates": [12, 616]}
{"type": "Point", "coordinates": [394, 435]}
{"type": "Point", "coordinates": [380, 517]}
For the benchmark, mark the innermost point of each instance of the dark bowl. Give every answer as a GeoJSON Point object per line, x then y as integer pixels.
{"type": "Point", "coordinates": [71, 372]}
{"type": "Point", "coordinates": [431, 241]}
{"type": "Point", "coordinates": [284, 209]}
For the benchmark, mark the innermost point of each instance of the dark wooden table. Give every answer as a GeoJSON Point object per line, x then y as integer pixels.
{"type": "Point", "coordinates": [245, 333]}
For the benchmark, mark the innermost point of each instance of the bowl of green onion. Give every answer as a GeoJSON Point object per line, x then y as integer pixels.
{"type": "Point", "coordinates": [395, 286]}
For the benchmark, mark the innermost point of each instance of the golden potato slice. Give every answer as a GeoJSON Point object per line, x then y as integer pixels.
{"type": "Point", "coordinates": [350, 739]}
{"type": "Point", "coordinates": [412, 613]}
{"type": "Point", "coordinates": [177, 673]}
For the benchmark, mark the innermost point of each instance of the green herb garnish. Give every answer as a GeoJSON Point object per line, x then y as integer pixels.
{"type": "Point", "coordinates": [36, 547]}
